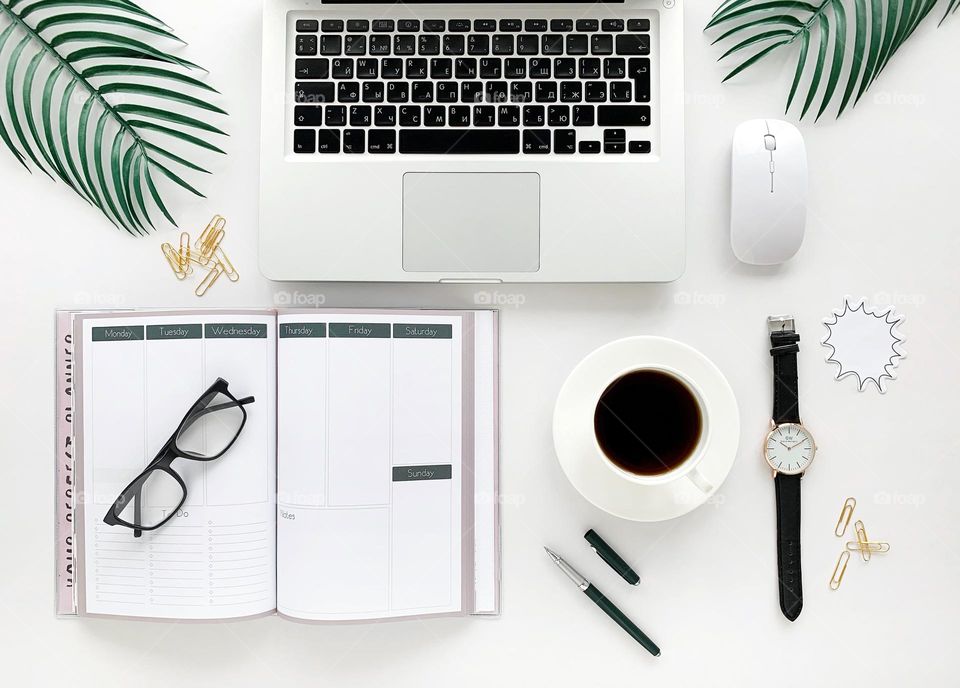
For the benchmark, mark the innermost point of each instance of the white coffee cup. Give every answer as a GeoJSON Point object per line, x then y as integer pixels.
{"type": "Point", "coordinates": [626, 493]}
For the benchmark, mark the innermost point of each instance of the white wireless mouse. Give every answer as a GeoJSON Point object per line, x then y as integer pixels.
{"type": "Point", "coordinates": [768, 209]}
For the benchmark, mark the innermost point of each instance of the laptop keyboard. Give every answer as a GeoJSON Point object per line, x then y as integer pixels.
{"type": "Point", "coordinates": [472, 87]}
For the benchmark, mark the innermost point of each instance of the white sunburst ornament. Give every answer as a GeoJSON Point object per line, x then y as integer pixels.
{"type": "Point", "coordinates": [864, 342]}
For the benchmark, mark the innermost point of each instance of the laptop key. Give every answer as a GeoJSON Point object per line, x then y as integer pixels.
{"type": "Point", "coordinates": [441, 68]}
{"type": "Point", "coordinates": [410, 116]}
{"type": "Point", "coordinates": [596, 91]}
{"type": "Point", "coordinates": [491, 68]}
{"type": "Point", "coordinates": [528, 45]}
{"type": "Point", "coordinates": [485, 25]}
{"type": "Point", "coordinates": [434, 25]}
{"type": "Point", "coordinates": [416, 68]}
{"type": "Point", "coordinates": [367, 68]}
{"type": "Point", "coordinates": [564, 68]}
{"type": "Point", "coordinates": [536, 141]}
{"type": "Point", "coordinates": [331, 25]}
{"type": "Point", "coordinates": [558, 115]}
{"type": "Point", "coordinates": [612, 25]}
{"type": "Point", "coordinates": [508, 115]}
{"type": "Point", "coordinates": [328, 141]}
{"type": "Point", "coordinates": [355, 45]}
{"type": "Point", "coordinates": [428, 45]}
{"type": "Point", "coordinates": [513, 25]}
{"type": "Point", "coordinates": [459, 25]}
{"type": "Point", "coordinates": [546, 92]}
{"type": "Point", "coordinates": [588, 147]}
{"type": "Point", "coordinates": [471, 91]}
{"type": "Point", "coordinates": [601, 44]}
{"type": "Point", "coordinates": [391, 68]}
{"type": "Point", "coordinates": [571, 91]}
{"type": "Point", "coordinates": [465, 68]}
{"type": "Point", "coordinates": [408, 25]}
{"type": "Point", "coordinates": [308, 115]}
{"type": "Point", "coordinates": [313, 92]}
{"type": "Point", "coordinates": [382, 25]}
{"type": "Point", "coordinates": [447, 92]}
{"type": "Point", "coordinates": [638, 25]}
{"type": "Point", "coordinates": [348, 91]}
{"type": "Point", "coordinates": [552, 44]}
{"type": "Point", "coordinates": [358, 25]}
{"type": "Point", "coordinates": [305, 141]}
{"type": "Point", "coordinates": [535, 25]}
{"type": "Point", "coordinates": [577, 44]}
{"type": "Point", "coordinates": [484, 115]}
{"type": "Point", "coordinates": [614, 141]}
{"type": "Point", "coordinates": [565, 141]}
{"type": "Point", "coordinates": [641, 147]}
{"type": "Point", "coordinates": [315, 68]}
{"type": "Point", "coordinates": [633, 44]}
{"type": "Point", "coordinates": [306, 45]}
{"type": "Point", "coordinates": [561, 25]}
{"type": "Point", "coordinates": [385, 115]}
{"type": "Point", "coordinates": [382, 141]}
{"type": "Point", "coordinates": [534, 116]}
{"type": "Point", "coordinates": [495, 92]}
{"type": "Point", "coordinates": [623, 115]}
{"type": "Point", "coordinates": [308, 26]}
{"type": "Point", "coordinates": [404, 44]}
{"type": "Point", "coordinates": [422, 92]}
{"type": "Point", "coordinates": [621, 91]}
{"type": "Point", "coordinates": [458, 116]}
{"type": "Point", "coordinates": [453, 44]}
{"type": "Point", "coordinates": [503, 44]}
{"type": "Point", "coordinates": [588, 25]}
{"type": "Point", "coordinates": [614, 68]}
{"type": "Point", "coordinates": [380, 45]}
{"type": "Point", "coordinates": [521, 92]}
{"type": "Point", "coordinates": [589, 68]}
{"type": "Point", "coordinates": [638, 69]}
{"type": "Point", "coordinates": [336, 115]}
{"type": "Point", "coordinates": [330, 44]}
{"type": "Point", "coordinates": [342, 68]}
{"type": "Point", "coordinates": [398, 91]}
{"type": "Point", "coordinates": [361, 115]}
{"type": "Point", "coordinates": [372, 92]}
{"type": "Point", "coordinates": [434, 116]}
{"type": "Point", "coordinates": [354, 141]}
{"type": "Point", "coordinates": [539, 68]}
{"type": "Point", "coordinates": [459, 141]}
{"type": "Point", "coordinates": [478, 44]}
{"type": "Point", "coordinates": [515, 68]}
{"type": "Point", "coordinates": [583, 115]}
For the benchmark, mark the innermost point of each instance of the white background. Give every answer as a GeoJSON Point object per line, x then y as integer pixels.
{"type": "Point", "coordinates": [884, 224]}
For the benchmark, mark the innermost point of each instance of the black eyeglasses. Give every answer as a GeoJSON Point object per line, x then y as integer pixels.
{"type": "Point", "coordinates": [209, 429]}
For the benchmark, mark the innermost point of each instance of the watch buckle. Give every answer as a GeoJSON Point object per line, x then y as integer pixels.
{"type": "Point", "coordinates": [780, 323]}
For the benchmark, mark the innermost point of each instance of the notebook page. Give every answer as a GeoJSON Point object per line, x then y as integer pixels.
{"type": "Point", "coordinates": [139, 376]}
{"type": "Point", "coordinates": [371, 466]}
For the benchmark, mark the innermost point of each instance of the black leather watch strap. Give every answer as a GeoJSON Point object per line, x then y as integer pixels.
{"type": "Point", "coordinates": [788, 544]}
{"type": "Point", "coordinates": [786, 393]}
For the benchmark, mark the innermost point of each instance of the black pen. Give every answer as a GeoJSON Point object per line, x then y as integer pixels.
{"type": "Point", "coordinates": [606, 605]}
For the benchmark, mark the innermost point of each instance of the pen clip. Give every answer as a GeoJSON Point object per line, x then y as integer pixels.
{"type": "Point", "coordinates": [610, 556]}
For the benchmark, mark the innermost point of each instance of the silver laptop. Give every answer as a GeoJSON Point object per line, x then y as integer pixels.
{"type": "Point", "coordinates": [472, 142]}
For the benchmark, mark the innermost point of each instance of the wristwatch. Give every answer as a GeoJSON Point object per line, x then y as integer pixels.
{"type": "Point", "coordinates": [789, 449]}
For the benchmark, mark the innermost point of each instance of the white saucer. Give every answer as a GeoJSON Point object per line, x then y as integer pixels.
{"type": "Point", "coordinates": [620, 493]}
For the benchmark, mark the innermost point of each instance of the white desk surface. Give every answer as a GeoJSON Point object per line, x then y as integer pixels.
{"type": "Point", "coordinates": [883, 225]}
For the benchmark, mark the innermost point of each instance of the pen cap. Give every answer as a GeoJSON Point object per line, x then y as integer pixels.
{"type": "Point", "coordinates": [609, 555]}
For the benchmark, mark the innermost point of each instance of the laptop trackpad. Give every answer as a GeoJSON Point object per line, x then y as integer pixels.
{"type": "Point", "coordinates": [471, 222]}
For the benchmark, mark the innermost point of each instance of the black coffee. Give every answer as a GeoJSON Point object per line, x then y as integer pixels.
{"type": "Point", "coordinates": [648, 422]}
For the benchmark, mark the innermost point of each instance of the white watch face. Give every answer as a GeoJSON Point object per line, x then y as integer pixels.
{"type": "Point", "coordinates": [789, 448]}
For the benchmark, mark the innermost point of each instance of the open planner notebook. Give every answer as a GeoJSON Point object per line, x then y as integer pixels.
{"type": "Point", "coordinates": [362, 486]}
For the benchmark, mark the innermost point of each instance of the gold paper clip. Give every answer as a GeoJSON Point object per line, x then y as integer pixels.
{"type": "Point", "coordinates": [173, 258]}
{"type": "Point", "coordinates": [208, 248]}
{"type": "Point", "coordinates": [184, 247]}
{"type": "Point", "coordinates": [862, 540]}
{"type": "Point", "coordinates": [873, 547]}
{"type": "Point", "coordinates": [845, 515]}
{"type": "Point", "coordinates": [218, 222]}
{"type": "Point", "coordinates": [228, 269]}
{"type": "Point", "coordinates": [839, 570]}
{"type": "Point", "coordinates": [208, 281]}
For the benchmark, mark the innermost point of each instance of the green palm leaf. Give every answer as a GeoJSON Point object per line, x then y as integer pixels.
{"type": "Point", "coordinates": [850, 55]}
{"type": "Point", "coordinates": [63, 62]}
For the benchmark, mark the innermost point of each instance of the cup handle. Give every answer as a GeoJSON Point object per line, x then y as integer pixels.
{"type": "Point", "coordinates": [696, 477]}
